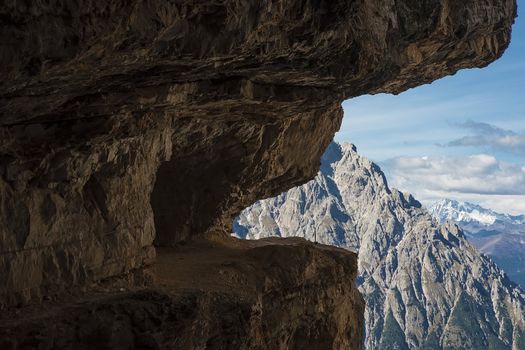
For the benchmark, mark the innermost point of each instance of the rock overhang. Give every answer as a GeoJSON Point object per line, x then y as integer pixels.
{"type": "Point", "coordinates": [129, 123]}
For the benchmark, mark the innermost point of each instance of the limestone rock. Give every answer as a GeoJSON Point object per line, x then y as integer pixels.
{"type": "Point", "coordinates": [500, 236]}
{"type": "Point", "coordinates": [425, 286]}
{"type": "Point", "coordinates": [95, 96]}
{"type": "Point", "coordinates": [273, 294]}
{"type": "Point", "coordinates": [124, 123]}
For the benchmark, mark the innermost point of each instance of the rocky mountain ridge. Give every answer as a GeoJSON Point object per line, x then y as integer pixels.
{"type": "Point", "coordinates": [500, 236]}
{"type": "Point", "coordinates": [425, 286]}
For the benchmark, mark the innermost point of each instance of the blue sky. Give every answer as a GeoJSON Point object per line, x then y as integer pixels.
{"type": "Point", "coordinates": [461, 137]}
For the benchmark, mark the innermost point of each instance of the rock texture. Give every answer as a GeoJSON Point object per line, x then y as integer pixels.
{"type": "Point", "coordinates": [272, 294]}
{"type": "Point", "coordinates": [125, 123]}
{"type": "Point", "coordinates": [425, 286]}
{"type": "Point", "coordinates": [500, 236]}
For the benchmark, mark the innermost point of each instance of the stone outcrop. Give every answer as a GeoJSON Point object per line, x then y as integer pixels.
{"type": "Point", "coordinates": [271, 294]}
{"type": "Point", "coordinates": [124, 123]}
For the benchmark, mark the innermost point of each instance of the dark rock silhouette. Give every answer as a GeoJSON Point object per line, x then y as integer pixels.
{"type": "Point", "coordinates": [125, 123]}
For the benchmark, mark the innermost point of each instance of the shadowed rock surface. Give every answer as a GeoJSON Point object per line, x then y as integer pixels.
{"type": "Point", "coordinates": [125, 123]}
{"type": "Point", "coordinates": [270, 294]}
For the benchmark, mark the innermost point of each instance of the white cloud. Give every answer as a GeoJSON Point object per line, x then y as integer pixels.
{"type": "Point", "coordinates": [492, 136]}
{"type": "Point", "coordinates": [478, 178]}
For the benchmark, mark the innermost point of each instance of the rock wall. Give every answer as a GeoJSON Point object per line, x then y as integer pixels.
{"type": "Point", "coordinates": [268, 295]}
{"type": "Point", "coordinates": [125, 123]}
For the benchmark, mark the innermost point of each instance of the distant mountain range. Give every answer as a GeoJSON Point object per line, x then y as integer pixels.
{"type": "Point", "coordinates": [464, 212]}
{"type": "Point", "coordinates": [500, 236]}
{"type": "Point", "coordinates": [425, 285]}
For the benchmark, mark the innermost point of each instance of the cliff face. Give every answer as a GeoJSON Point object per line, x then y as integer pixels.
{"type": "Point", "coordinates": [216, 101]}
{"type": "Point", "coordinates": [125, 123]}
{"type": "Point", "coordinates": [425, 286]}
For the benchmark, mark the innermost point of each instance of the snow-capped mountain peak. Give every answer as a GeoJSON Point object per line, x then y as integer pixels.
{"type": "Point", "coordinates": [464, 212]}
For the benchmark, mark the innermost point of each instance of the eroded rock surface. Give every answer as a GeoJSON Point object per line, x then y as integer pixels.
{"type": "Point", "coordinates": [129, 123]}
{"type": "Point", "coordinates": [221, 102]}
{"type": "Point", "coordinates": [271, 294]}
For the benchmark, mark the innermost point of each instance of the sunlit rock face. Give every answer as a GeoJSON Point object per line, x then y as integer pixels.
{"type": "Point", "coordinates": [125, 123]}
{"type": "Point", "coordinates": [425, 286]}
{"type": "Point", "coordinates": [500, 236]}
